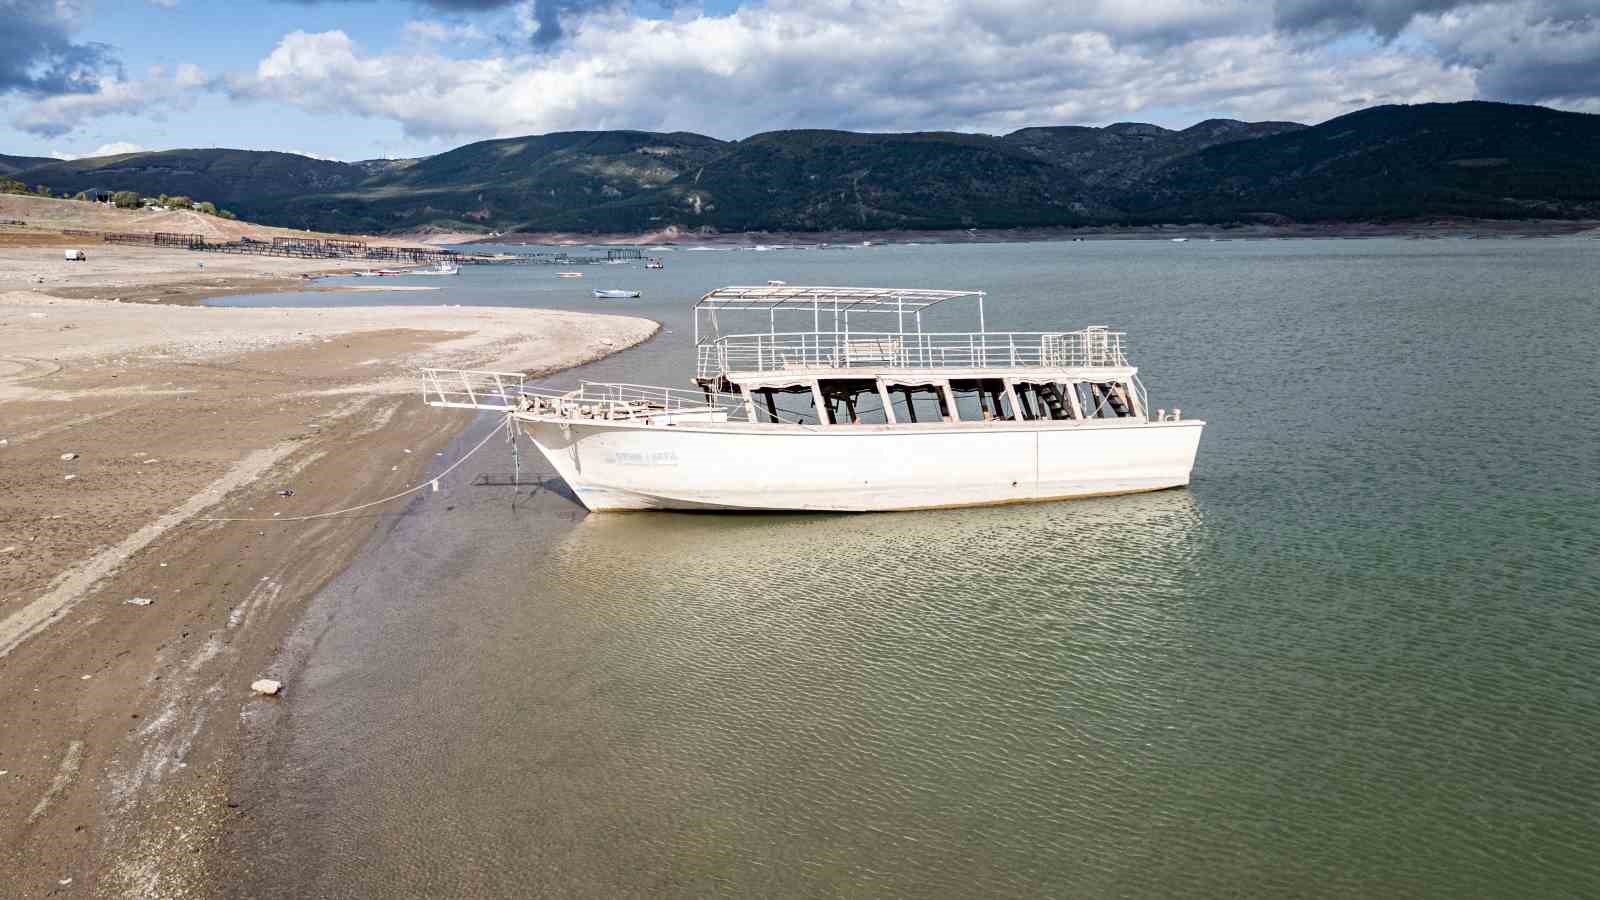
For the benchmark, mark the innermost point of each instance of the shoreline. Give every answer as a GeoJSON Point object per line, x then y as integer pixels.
{"type": "Point", "coordinates": [1429, 228]}
{"type": "Point", "coordinates": [128, 720]}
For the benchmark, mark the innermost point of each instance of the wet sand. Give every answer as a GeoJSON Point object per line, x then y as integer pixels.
{"type": "Point", "coordinates": [122, 722]}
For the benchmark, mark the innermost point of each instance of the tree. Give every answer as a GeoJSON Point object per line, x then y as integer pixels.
{"type": "Point", "coordinates": [165, 200]}
{"type": "Point", "coordinates": [126, 200]}
{"type": "Point", "coordinates": [12, 186]}
{"type": "Point", "coordinates": [207, 207]}
{"type": "Point", "coordinates": [81, 196]}
{"type": "Point", "coordinates": [227, 214]}
{"type": "Point", "coordinates": [41, 190]}
{"type": "Point", "coordinates": [179, 202]}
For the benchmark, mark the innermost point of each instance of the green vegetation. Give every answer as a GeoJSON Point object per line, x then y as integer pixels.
{"type": "Point", "coordinates": [1459, 159]}
{"type": "Point", "coordinates": [126, 200]}
{"type": "Point", "coordinates": [12, 186]}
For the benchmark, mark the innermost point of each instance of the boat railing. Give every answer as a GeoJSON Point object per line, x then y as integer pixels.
{"type": "Point", "coordinates": [511, 392]}
{"type": "Point", "coordinates": [1093, 347]}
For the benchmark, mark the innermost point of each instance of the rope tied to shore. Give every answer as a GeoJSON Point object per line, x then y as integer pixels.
{"type": "Point", "coordinates": [431, 482]}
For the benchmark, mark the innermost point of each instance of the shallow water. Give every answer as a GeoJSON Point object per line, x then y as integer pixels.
{"type": "Point", "coordinates": [1355, 658]}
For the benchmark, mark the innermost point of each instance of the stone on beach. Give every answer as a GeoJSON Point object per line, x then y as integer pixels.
{"type": "Point", "coordinates": [266, 687]}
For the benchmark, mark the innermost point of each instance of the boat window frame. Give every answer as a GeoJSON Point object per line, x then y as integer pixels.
{"type": "Point", "coordinates": [830, 389]}
{"type": "Point", "coordinates": [1000, 396]}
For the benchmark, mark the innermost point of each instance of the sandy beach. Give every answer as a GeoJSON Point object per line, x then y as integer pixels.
{"type": "Point", "coordinates": [125, 426]}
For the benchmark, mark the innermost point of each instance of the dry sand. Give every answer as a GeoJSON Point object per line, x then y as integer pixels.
{"type": "Point", "coordinates": [119, 723]}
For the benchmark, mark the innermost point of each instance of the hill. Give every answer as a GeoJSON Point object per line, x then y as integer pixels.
{"type": "Point", "coordinates": [1491, 160]}
{"type": "Point", "coordinates": [249, 181]}
{"type": "Point", "coordinates": [1478, 159]}
{"type": "Point", "coordinates": [817, 180]}
{"type": "Point", "coordinates": [506, 183]}
{"type": "Point", "coordinates": [1123, 155]}
{"type": "Point", "coordinates": [13, 164]}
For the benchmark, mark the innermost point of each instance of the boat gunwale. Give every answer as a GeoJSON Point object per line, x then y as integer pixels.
{"type": "Point", "coordinates": [643, 423]}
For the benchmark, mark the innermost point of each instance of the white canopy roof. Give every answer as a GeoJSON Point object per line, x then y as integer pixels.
{"type": "Point", "coordinates": [771, 297]}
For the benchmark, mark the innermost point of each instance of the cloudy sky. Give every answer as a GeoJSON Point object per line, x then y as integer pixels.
{"type": "Point", "coordinates": [356, 79]}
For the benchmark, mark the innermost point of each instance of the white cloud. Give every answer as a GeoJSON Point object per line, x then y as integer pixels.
{"type": "Point", "coordinates": [189, 75]}
{"type": "Point", "coordinates": [112, 149]}
{"type": "Point", "coordinates": [151, 97]}
{"type": "Point", "coordinates": [987, 65]}
{"type": "Point", "coordinates": [1529, 51]}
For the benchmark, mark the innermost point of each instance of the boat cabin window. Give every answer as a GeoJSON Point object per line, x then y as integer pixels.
{"type": "Point", "coordinates": [790, 405]}
{"type": "Point", "coordinates": [918, 403]}
{"type": "Point", "coordinates": [981, 399]}
{"type": "Point", "coordinates": [1104, 399]}
{"type": "Point", "coordinates": [1042, 400]}
{"type": "Point", "coordinates": [853, 401]}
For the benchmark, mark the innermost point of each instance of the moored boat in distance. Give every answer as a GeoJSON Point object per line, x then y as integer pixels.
{"type": "Point", "coordinates": [442, 268]}
{"type": "Point", "coordinates": [654, 262]}
{"type": "Point", "coordinates": [615, 294]}
{"type": "Point", "coordinates": [833, 417]}
{"type": "Point", "coordinates": [569, 274]}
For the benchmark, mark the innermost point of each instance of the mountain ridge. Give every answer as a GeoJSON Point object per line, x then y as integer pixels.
{"type": "Point", "coordinates": [1472, 158]}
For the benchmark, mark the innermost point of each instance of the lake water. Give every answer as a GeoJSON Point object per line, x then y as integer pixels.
{"type": "Point", "coordinates": [1357, 657]}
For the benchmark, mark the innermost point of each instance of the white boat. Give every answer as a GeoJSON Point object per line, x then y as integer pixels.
{"type": "Point", "coordinates": [834, 417]}
{"type": "Point", "coordinates": [569, 274]}
{"type": "Point", "coordinates": [442, 268]}
{"type": "Point", "coordinates": [654, 262]}
{"type": "Point", "coordinates": [773, 282]}
{"type": "Point", "coordinates": [615, 295]}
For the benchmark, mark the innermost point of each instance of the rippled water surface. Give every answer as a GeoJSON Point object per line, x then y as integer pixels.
{"type": "Point", "coordinates": [1356, 658]}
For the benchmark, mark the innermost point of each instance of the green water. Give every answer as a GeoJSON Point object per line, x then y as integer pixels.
{"type": "Point", "coordinates": [1356, 658]}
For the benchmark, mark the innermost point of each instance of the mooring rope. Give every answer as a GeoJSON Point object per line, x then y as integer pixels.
{"type": "Point", "coordinates": [339, 512]}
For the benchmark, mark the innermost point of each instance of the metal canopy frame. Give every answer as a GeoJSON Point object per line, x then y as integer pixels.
{"type": "Point", "coordinates": [839, 301]}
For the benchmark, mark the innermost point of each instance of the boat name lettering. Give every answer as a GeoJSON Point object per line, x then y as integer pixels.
{"type": "Point", "coordinates": [642, 458]}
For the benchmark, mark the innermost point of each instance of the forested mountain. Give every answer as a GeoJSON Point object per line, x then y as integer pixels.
{"type": "Point", "coordinates": [1388, 162]}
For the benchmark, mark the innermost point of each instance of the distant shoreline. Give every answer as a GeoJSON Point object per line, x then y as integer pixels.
{"type": "Point", "coordinates": [1427, 228]}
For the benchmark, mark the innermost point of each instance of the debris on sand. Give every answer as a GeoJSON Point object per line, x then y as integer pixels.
{"type": "Point", "coordinates": [139, 601]}
{"type": "Point", "coordinates": [266, 687]}
{"type": "Point", "coordinates": [68, 457]}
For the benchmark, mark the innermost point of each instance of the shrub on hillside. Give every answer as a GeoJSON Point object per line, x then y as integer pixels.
{"type": "Point", "coordinates": [126, 200]}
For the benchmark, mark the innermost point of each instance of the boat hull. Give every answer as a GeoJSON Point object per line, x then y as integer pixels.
{"type": "Point", "coordinates": [740, 466]}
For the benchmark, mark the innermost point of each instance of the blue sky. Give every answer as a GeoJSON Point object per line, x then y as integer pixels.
{"type": "Point", "coordinates": [355, 79]}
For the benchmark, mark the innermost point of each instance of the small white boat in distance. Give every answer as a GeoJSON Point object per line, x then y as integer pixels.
{"type": "Point", "coordinates": [654, 262]}
{"type": "Point", "coordinates": [443, 268]}
{"type": "Point", "coordinates": [615, 295]}
{"type": "Point", "coordinates": [569, 274]}
{"type": "Point", "coordinates": [773, 282]}
{"type": "Point", "coordinates": [835, 417]}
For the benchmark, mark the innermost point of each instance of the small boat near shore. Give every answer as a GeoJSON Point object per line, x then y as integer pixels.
{"type": "Point", "coordinates": [443, 268]}
{"type": "Point", "coordinates": [654, 262]}
{"type": "Point", "coordinates": [835, 416]}
{"type": "Point", "coordinates": [615, 294]}
{"type": "Point", "coordinates": [569, 274]}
